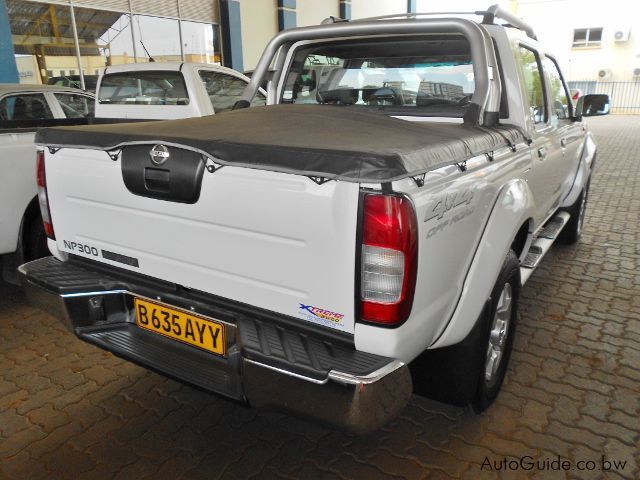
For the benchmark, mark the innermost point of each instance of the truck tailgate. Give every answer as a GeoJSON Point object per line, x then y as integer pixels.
{"type": "Point", "coordinates": [274, 240]}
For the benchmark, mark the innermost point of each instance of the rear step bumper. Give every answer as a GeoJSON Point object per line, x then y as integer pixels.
{"type": "Point", "coordinates": [271, 361]}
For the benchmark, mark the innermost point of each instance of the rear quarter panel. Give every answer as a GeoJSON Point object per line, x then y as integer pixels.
{"type": "Point", "coordinates": [452, 210]}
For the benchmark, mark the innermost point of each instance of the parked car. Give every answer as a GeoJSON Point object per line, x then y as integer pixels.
{"type": "Point", "coordinates": [169, 90]}
{"type": "Point", "coordinates": [24, 108]}
{"type": "Point", "coordinates": [365, 235]}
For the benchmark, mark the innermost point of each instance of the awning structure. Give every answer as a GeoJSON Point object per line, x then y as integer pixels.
{"type": "Point", "coordinates": [40, 28]}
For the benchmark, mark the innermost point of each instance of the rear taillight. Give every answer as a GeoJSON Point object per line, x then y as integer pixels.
{"type": "Point", "coordinates": [389, 259]}
{"type": "Point", "coordinates": [43, 198]}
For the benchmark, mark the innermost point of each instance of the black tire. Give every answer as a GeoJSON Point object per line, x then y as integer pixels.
{"type": "Point", "coordinates": [508, 281]}
{"type": "Point", "coordinates": [455, 374]}
{"type": "Point", "coordinates": [36, 241]}
{"type": "Point", "coordinates": [572, 231]}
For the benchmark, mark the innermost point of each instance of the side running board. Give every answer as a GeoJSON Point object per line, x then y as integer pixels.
{"type": "Point", "coordinates": [542, 244]}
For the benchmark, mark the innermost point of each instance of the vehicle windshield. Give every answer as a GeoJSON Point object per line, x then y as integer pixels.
{"type": "Point", "coordinates": [425, 75]}
{"type": "Point", "coordinates": [163, 87]}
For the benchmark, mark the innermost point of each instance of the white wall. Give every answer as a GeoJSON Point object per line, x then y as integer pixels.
{"type": "Point", "coordinates": [28, 69]}
{"type": "Point", "coordinates": [423, 6]}
{"type": "Point", "coordinates": [259, 24]}
{"type": "Point", "coordinates": [555, 21]}
{"type": "Point", "coordinates": [374, 8]}
{"type": "Point", "coordinates": [312, 12]}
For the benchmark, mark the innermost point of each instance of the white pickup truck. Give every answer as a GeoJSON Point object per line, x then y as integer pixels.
{"type": "Point", "coordinates": [168, 90]}
{"type": "Point", "coordinates": [363, 236]}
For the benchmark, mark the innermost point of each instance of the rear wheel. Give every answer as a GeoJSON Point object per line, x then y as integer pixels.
{"type": "Point", "coordinates": [498, 339]}
{"type": "Point", "coordinates": [472, 371]}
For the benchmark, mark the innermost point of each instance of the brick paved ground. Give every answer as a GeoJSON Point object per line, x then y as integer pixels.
{"type": "Point", "coordinates": [68, 410]}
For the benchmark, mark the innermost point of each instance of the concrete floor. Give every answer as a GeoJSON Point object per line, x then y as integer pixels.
{"type": "Point", "coordinates": [69, 410]}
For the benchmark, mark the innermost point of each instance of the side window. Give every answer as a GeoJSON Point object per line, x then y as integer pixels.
{"type": "Point", "coordinates": [225, 90]}
{"type": "Point", "coordinates": [76, 105]}
{"type": "Point", "coordinates": [560, 100]}
{"type": "Point", "coordinates": [25, 107]}
{"type": "Point", "coordinates": [533, 83]}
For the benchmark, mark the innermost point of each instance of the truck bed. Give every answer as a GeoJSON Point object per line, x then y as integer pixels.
{"type": "Point", "coordinates": [342, 143]}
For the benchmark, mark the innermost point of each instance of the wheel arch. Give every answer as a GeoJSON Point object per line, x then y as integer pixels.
{"type": "Point", "coordinates": [32, 211]}
{"type": "Point", "coordinates": [522, 239]}
{"type": "Point", "coordinates": [583, 174]}
{"type": "Point", "coordinates": [510, 218]}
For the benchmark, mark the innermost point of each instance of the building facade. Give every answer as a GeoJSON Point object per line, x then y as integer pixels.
{"type": "Point", "coordinates": [593, 40]}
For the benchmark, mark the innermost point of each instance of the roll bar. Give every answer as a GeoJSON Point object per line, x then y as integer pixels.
{"type": "Point", "coordinates": [485, 98]}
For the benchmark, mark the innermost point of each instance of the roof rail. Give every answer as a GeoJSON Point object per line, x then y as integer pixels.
{"type": "Point", "coordinates": [411, 15]}
{"type": "Point", "coordinates": [489, 15]}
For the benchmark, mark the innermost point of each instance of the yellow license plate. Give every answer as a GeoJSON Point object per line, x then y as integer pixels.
{"type": "Point", "coordinates": [181, 325]}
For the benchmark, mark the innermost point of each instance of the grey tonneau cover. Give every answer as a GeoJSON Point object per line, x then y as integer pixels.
{"type": "Point", "coordinates": [334, 142]}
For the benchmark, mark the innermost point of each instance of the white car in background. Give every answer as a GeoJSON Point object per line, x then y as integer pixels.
{"type": "Point", "coordinates": [23, 109]}
{"type": "Point", "coordinates": [168, 90]}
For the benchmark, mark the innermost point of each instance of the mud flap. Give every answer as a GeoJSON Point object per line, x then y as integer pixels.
{"type": "Point", "coordinates": [451, 374]}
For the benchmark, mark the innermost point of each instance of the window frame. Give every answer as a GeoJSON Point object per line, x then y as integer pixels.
{"type": "Point", "coordinates": [30, 94]}
{"type": "Point", "coordinates": [89, 98]}
{"type": "Point", "coordinates": [544, 124]}
{"type": "Point", "coordinates": [567, 92]}
{"type": "Point", "coordinates": [199, 78]}
{"type": "Point", "coordinates": [285, 62]}
{"type": "Point", "coordinates": [588, 43]}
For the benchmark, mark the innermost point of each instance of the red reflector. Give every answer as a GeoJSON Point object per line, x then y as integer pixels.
{"type": "Point", "coordinates": [43, 197]}
{"type": "Point", "coordinates": [40, 169]}
{"type": "Point", "coordinates": [389, 259]}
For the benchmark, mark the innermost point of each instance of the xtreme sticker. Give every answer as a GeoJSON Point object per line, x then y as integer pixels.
{"type": "Point", "coordinates": [314, 314]}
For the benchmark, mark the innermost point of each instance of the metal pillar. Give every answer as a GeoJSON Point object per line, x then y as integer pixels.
{"type": "Point", "coordinates": [345, 9]}
{"type": "Point", "coordinates": [8, 67]}
{"type": "Point", "coordinates": [231, 33]}
{"type": "Point", "coordinates": [286, 14]}
{"type": "Point", "coordinates": [77, 43]}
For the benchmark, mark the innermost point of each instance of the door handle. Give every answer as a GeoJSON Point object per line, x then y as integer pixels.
{"type": "Point", "coordinates": [542, 153]}
{"type": "Point", "coordinates": [563, 142]}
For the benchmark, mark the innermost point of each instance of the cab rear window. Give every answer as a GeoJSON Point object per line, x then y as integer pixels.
{"type": "Point", "coordinates": [143, 88]}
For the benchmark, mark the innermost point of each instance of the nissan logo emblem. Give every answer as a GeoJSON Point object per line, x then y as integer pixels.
{"type": "Point", "coordinates": [159, 154]}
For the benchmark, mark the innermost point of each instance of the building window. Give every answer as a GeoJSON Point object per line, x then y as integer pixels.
{"type": "Point", "coordinates": [587, 37]}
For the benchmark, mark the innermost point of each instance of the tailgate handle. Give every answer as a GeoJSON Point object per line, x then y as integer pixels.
{"type": "Point", "coordinates": [157, 180]}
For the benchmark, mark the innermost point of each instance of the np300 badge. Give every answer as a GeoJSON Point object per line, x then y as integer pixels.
{"type": "Point", "coordinates": [159, 154]}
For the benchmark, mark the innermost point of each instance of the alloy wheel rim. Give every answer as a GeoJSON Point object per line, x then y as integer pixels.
{"type": "Point", "coordinates": [498, 335]}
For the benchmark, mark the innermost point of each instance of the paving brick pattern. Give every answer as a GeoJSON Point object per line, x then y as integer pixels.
{"type": "Point", "coordinates": [69, 410]}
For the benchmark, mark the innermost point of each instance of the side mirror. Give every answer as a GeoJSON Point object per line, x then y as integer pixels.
{"type": "Point", "coordinates": [592, 105]}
